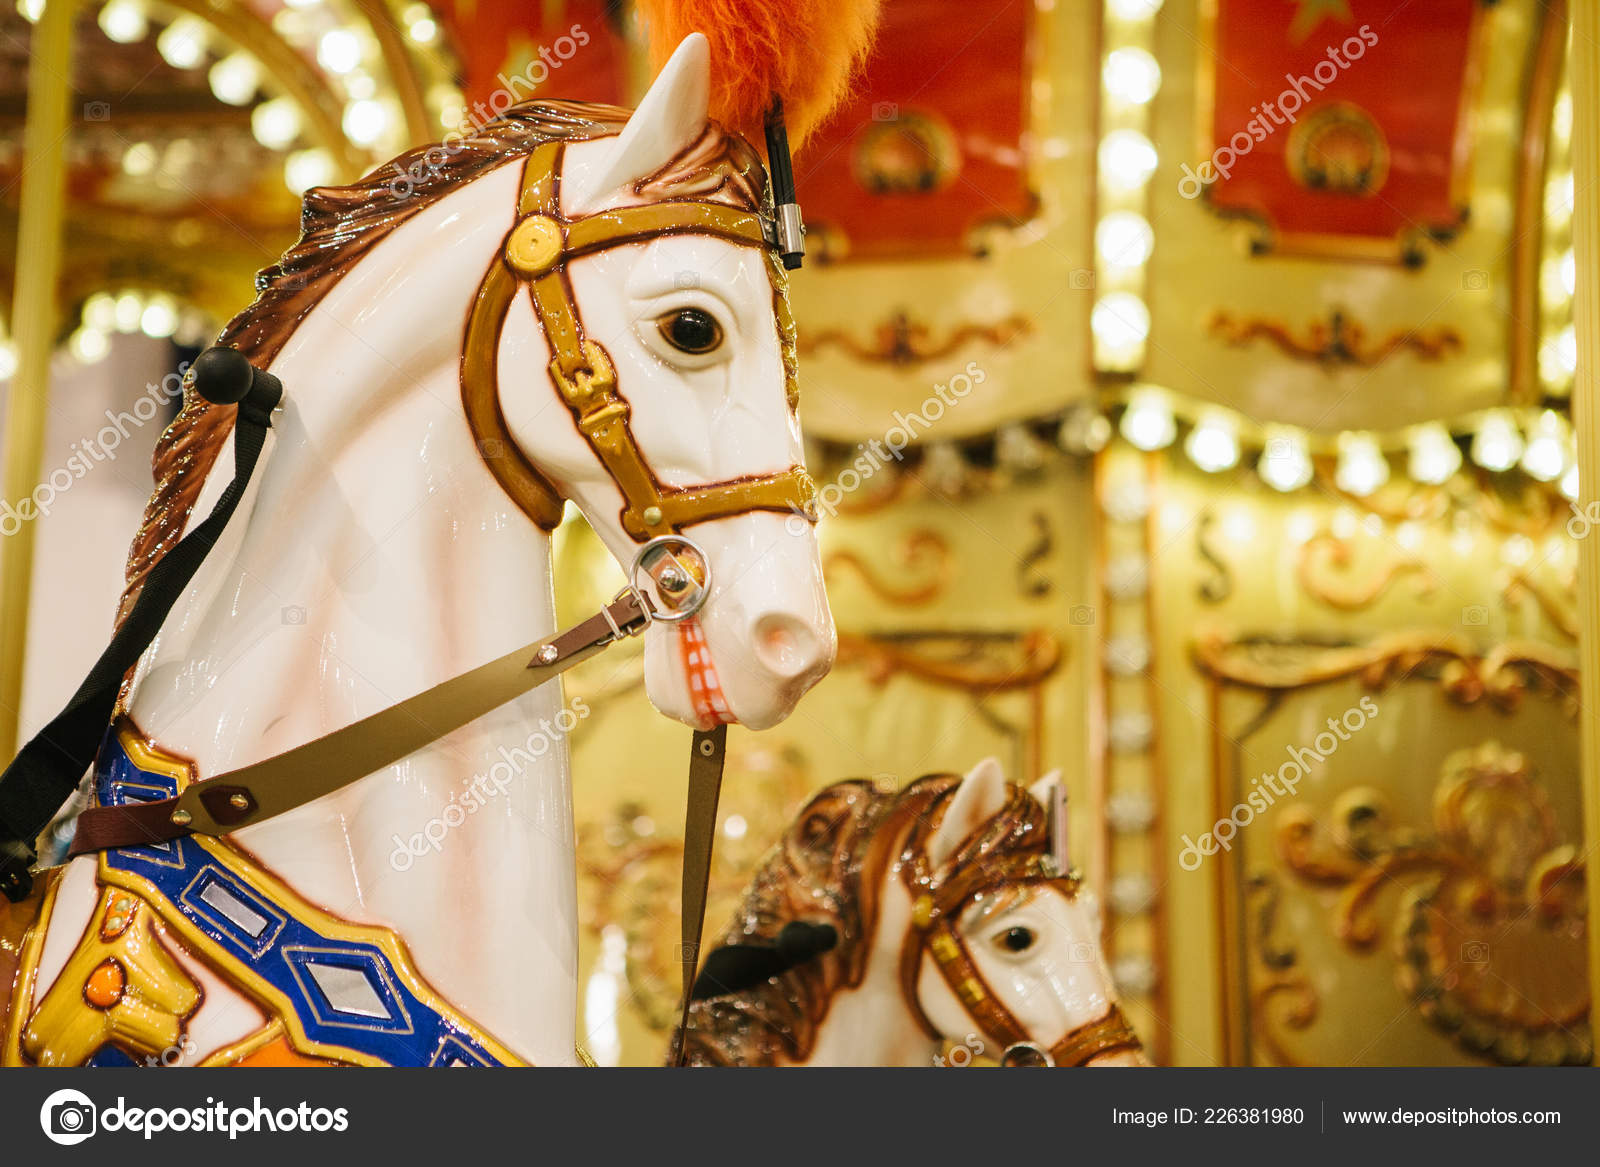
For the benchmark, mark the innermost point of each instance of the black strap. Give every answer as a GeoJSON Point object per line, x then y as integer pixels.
{"type": "Point", "coordinates": [699, 834]}
{"type": "Point", "coordinates": [47, 770]}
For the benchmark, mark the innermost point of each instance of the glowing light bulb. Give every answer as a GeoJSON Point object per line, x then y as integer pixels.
{"type": "Point", "coordinates": [1147, 422]}
{"type": "Point", "coordinates": [130, 310]}
{"type": "Point", "coordinates": [1131, 75]}
{"type": "Point", "coordinates": [1120, 322]}
{"type": "Point", "coordinates": [275, 123]}
{"type": "Point", "coordinates": [182, 44]}
{"type": "Point", "coordinates": [160, 317]}
{"type": "Point", "coordinates": [1127, 159]}
{"type": "Point", "coordinates": [1213, 444]}
{"type": "Point", "coordinates": [139, 159]}
{"type": "Point", "coordinates": [8, 360]}
{"type": "Point", "coordinates": [1123, 239]}
{"type": "Point", "coordinates": [89, 345]}
{"type": "Point", "coordinates": [1569, 482]}
{"type": "Point", "coordinates": [424, 31]}
{"type": "Point", "coordinates": [30, 10]}
{"type": "Point", "coordinates": [1558, 196]}
{"type": "Point", "coordinates": [339, 51]}
{"type": "Point", "coordinates": [365, 121]}
{"type": "Point", "coordinates": [124, 21]}
{"type": "Point", "coordinates": [1285, 462]}
{"type": "Point", "coordinates": [1569, 272]}
{"type": "Point", "coordinates": [235, 78]}
{"type": "Point", "coordinates": [305, 169]}
{"type": "Point", "coordinates": [1546, 454]}
{"type": "Point", "coordinates": [1134, 9]}
{"type": "Point", "coordinates": [1497, 445]}
{"type": "Point", "coordinates": [100, 312]}
{"type": "Point", "coordinates": [1434, 454]}
{"type": "Point", "coordinates": [1362, 466]}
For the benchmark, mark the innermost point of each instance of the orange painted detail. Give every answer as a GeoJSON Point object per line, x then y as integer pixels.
{"type": "Point", "coordinates": [710, 706]}
{"type": "Point", "coordinates": [105, 985]}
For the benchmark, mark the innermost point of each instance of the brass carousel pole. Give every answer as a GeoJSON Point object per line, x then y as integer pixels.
{"type": "Point", "coordinates": [33, 328]}
{"type": "Point", "coordinates": [1586, 313]}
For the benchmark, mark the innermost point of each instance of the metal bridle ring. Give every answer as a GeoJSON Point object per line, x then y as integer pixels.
{"type": "Point", "coordinates": [703, 587]}
{"type": "Point", "coordinates": [1039, 1057]}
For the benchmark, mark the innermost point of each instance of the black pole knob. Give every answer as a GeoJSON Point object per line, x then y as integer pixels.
{"type": "Point", "coordinates": [223, 376]}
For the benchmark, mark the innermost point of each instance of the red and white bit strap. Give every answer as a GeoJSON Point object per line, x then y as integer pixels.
{"type": "Point", "coordinates": [710, 706]}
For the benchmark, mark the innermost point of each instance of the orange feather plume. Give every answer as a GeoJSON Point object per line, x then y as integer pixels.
{"type": "Point", "coordinates": [805, 51]}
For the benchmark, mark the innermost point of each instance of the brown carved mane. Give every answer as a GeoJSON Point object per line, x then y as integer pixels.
{"type": "Point", "coordinates": [827, 869]}
{"type": "Point", "coordinates": [340, 225]}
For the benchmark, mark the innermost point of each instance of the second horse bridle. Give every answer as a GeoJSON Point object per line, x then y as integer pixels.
{"type": "Point", "coordinates": [941, 895]}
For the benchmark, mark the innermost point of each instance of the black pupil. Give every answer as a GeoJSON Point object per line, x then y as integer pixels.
{"type": "Point", "coordinates": [1018, 939]}
{"type": "Point", "coordinates": [692, 330]}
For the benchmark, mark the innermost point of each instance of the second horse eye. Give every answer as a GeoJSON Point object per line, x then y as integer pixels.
{"type": "Point", "coordinates": [690, 330]}
{"type": "Point", "coordinates": [1018, 939]}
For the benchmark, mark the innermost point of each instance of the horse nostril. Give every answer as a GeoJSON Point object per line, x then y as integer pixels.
{"type": "Point", "coordinates": [785, 645]}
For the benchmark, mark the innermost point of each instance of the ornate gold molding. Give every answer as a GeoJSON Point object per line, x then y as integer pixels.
{"type": "Point", "coordinates": [1338, 341]}
{"type": "Point", "coordinates": [1490, 935]}
{"type": "Point", "coordinates": [1503, 674]}
{"type": "Point", "coordinates": [1325, 557]}
{"type": "Point", "coordinates": [901, 341]}
{"type": "Point", "coordinates": [923, 552]}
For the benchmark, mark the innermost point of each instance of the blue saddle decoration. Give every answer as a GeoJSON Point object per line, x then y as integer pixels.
{"type": "Point", "coordinates": [345, 992]}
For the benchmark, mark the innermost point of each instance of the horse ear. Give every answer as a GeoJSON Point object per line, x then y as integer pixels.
{"type": "Point", "coordinates": [668, 121]}
{"type": "Point", "coordinates": [981, 796]}
{"type": "Point", "coordinates": [1041, 789]}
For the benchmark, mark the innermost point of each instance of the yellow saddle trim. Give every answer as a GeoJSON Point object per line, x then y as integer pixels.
{"type": "Point", "coordinates": [284, 1021]}
{"type": "Point", "coordinates": [278, 1006]}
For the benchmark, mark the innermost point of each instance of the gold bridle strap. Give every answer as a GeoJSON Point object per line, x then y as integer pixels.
{"type": "Point", "coordinates": [938, 900]}
{"type": "Point", "coordinates": [536, 253]}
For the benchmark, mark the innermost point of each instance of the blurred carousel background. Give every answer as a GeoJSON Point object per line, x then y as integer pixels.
{"type": "Point", "coordinates": [1125, 472]}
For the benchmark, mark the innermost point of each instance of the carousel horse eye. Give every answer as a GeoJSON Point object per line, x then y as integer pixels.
{"type": "Point", "coordinates": [690, 330]}
{"type": "Point", "coordinates": [1017, 939]}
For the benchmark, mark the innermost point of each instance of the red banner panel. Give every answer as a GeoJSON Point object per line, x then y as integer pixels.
{"type": "Point", "coordinates": [1342, 126]}
{"type": "Point", "coordinates": [514, 50]}
{"type": "Point", "coordinates": [931, 145]}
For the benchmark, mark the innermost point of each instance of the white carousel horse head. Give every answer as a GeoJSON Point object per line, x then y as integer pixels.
{"type": "Point", "coordinates": [889, 873]}
{"type": "Point", "coordinates": [380, 551]}
{"type": "Point", "coordinates": [697, 335]}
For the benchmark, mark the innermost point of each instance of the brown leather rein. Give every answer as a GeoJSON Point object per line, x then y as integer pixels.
{"type": "Point", "coordinates": [984, 865]}
{"type": "Point", "coordinates": [535, 252]}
